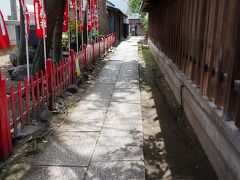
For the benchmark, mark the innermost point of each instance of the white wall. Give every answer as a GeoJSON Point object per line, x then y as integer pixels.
{"type": "Point", "coordinates": [5, 8]}
{"type": "Point", "coordinates": [12, 31]}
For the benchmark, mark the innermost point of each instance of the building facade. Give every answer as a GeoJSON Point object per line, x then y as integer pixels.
{"type": "Point", "coordinates": [117, 18]}
{"type": "Point", "coordinates": [135, 26]}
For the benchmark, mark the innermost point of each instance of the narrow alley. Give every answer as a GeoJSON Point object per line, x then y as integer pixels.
{"type": "Point", "coordinates": [117, 131]}
{"type": "Point", "coordinates": [119, 89]}
{"type": "Point", "coordinates": [103, 138]}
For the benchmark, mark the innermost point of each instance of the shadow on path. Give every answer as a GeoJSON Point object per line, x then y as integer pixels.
{"type": "Point", "coordinates": [171, 148]}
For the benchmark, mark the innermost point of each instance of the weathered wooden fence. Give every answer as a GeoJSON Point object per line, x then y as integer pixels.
{"type": "Point", "coordinates": [202, 37]}
{"type": "Point", "coordinates": [22, 104]}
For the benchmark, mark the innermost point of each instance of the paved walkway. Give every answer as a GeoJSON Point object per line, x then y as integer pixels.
{"type": "Point", "coordinates": [103, 137]}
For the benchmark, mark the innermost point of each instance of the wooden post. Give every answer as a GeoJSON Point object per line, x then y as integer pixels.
{"type": "Point", "coordinates": [237, 117]}
{"type": "Point", "coordinates": [5, 130]}
{"type": "Point", "coordinates": [49, 72]}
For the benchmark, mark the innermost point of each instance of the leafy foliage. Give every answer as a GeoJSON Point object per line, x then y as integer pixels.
{"type": "Point", "coordinates": [135, 5]}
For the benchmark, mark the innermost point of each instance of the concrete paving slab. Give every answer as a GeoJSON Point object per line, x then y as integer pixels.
{"type": "Point", "coordinates": [126, 95]}
{"type": "Point", "coordinates": [112, 65]}
{"type": "Point", "coordinates": [108, 72]}
{"type": "Point", "coordinates": [119, 53]}
{"type": "Point", "coordinates": [131, 65]}
{"type": "Point", "coordinates": [93, 96]}
{"type": "Point", "coordinates": [127, 77]}
{"type": "Point", "coordinates": [120, 170]}
{"type": "Point", "coordinates": [130, 71]}
{"type": "Point", "coordinates": [116, 137]}
{"type": "Point", "coordinates": [128, 85]}
{"type": "Point", "coordinates": [110, 68]}
{"type": "Point", "coordinates": [131, 56]}
{"type": "Point", "coordinates": [118, 153]}
{"type": "Point", "coordinates": [123, 120]}
{"type": "Point", "coordinates": [127, 81]}
{"type": "Point", "coordinates": [86, 125]}
{"type": "Point", "coordinates": [69, 149]}
{"type": "Point", "coordinates": [129, 74]}
{"type": "Point", "coordinates": [101, 89]}
{"type": "Point", "coordinates": [106, 80]}
{"type": "Point", "coordinates": [56, 173]}
{"type": "Point", "coordinates": [117, 58]}
{"type": "Point", "coordinates": [108, 77]}
{"type": "Point", "coordinates": [88, 114]}
{"type": "Point", "coordinates": [126, 124]}
{"type": "Point", "coordinates": [124, 111]}
{"type": "Point", "coordinates": [91, 105]}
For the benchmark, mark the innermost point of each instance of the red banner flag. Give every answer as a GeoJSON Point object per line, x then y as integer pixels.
{"type": "Point", "coordinates": [74, 7]}
{"type": "Point", "coordinates": [65, 22]}
{"type": "Point", "coordinates": [40, 18]}
{"type": "Point", "coordinates": [93, 12]}
{"type": "Point", "coordinates": [80, 15]}
{"type": "Point", "coordinates": [75, 13]}
{"type": "Point", "coordinates": [26, 16]}
{"type": "Point", "coordinates": [96, 15]}
{"type": "Point", "coordinates": [4, 38]}
{"type": "Point", "coordinates": [89, 16]}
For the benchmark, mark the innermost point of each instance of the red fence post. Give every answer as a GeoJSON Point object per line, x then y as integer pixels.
{"type": "Point", "coordinates": [50, 90]}
{"type": "Point", "coordinates": [107, 42]}
{"type": "Point", "coordinates": [104, 44]}
{"type": "Point", "coordinates": [72, 56]}
{"type": "Point", "coordinates": [111, 39]}
{"type": "Point", "coordinates": [99, 52]}
{"type": "Point", "coordinates": [114, 38]}
{"type": "Point", "coordinates": [93, 50]}
{"type": "Point", "coordinates": [5, 130]}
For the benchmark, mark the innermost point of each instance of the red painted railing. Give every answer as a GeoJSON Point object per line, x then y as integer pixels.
{"type": "Point", "coordinates": [24, 102]}
{"type": "Point", "coordinates": [95, 50]}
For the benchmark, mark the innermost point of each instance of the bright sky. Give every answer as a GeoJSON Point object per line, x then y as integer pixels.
{"type": "Point", "coordinates": [5, 8]}
{"type": "Point", "coordinates": [120, 4]}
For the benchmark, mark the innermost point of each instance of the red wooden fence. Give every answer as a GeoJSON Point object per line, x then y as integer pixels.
{"type": "Point", "coordinates": [23, 103]}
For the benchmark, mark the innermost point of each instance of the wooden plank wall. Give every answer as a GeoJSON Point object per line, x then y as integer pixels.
{"type": "Point", "coordinates": [202, 37]}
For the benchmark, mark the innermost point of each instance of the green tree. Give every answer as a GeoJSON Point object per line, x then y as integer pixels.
{"type": "Point", "coordinates": [22, 48]}
{"type": "Point", "coordinates": [54, 13]}
{"type": "Point", "coordinates": [134, 5]}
